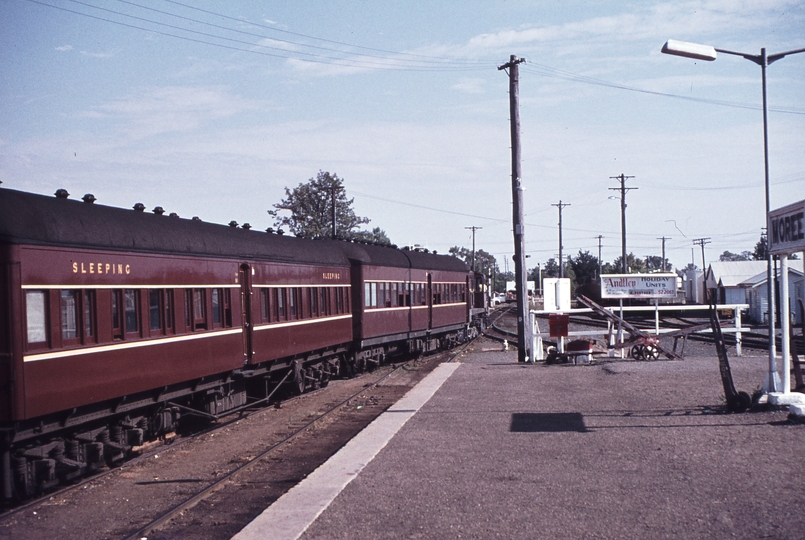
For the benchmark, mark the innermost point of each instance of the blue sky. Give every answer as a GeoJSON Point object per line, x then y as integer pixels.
{"type": "Point", "coordinates": [212, 110]}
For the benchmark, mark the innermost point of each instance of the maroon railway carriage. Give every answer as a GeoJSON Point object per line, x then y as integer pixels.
{"type": "Point", "coordinates": [113, 322]}
{"type": "Point", "coordinates": [407, 300]}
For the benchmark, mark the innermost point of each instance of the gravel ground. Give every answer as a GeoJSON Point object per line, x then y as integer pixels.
{"type": "Point", "coordinates": [118, 504]}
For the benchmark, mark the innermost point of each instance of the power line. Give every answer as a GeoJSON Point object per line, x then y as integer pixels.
{"type": "Point", "coordinates": [391, 64]}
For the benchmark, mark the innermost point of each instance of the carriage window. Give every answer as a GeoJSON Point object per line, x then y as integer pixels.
{"type": "Point", "coordinates": [324, 301]}
{"type": "Point", "coordinates": [216, 306]}
{"type": "Point", "coordinates": [292, 302]}
{"type": "Point", "coordinates": [154, 310]}
{"type": "Point", "coordinates": [69, 314]}
{"type": "Point", "coordinates": [339, 300]}
{"type": "Point", "coordinates": [117, 320]}
{"type": "Point", "coordinates": [89, 310]}
{"type": "Point", "coordinates": [199, 312]}
{"type": "Point", "coordinates": [280, 303]}
{"type": "Point", "coordinates": [264, 304]}
{"type": "Point", "coordinates": [314, 302]}
{"type": "Point", "coordinates": [130, 298]}
{"type": "Point", "coordinates": [36, 315]}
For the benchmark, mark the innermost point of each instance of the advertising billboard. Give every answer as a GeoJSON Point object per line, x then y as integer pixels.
{"type": "Point", "coordinates": [638, 286]}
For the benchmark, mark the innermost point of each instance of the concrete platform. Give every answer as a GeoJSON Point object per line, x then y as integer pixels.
{"type": "Point", "coordinates": [489, 448]}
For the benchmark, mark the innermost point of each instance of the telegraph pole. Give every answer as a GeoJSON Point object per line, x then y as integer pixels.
{"type": "Point", "coordinates": [524, 332]}
{"type": "Point", "coordinates": [473, 228]}
{"type": "Point", "coordinates": [561, 262]}
{"type": "Point", "coordinates": [599, 255]}
{"type": "Point", "coordinates": [702, 242]}
{"type": "Point", "coordinates": [663, 251]}
{"type": "Point", "coordinates": [623, 189]}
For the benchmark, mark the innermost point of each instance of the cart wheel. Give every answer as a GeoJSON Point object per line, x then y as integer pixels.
{"type": "Point", "coordinates": [637, 352]}
{"type": "Point", "coordinates": [650, 352]}
{"type": "Point", "coordinates": [740, 403]}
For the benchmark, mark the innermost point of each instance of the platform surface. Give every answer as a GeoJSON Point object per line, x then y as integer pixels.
{"type": "Point", "coordinates": [615, 449]}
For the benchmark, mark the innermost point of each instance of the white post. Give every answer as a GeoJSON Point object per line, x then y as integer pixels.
{"type": "Point", "coordinates": [785, 321]}
{"type": "Point", "coordinates": [620, 326]}
{"type": "Point", "coordinates": [737, 331]}
{"type": "Point", "coordinates": [657, 316]}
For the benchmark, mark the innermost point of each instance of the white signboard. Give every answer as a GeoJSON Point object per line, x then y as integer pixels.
{"type": "Point", "coordinates": [638, 286]}
{"type": "Point", "coordinates": [787, 229]}
{"type": "Point", "coordinates": [556, 294]}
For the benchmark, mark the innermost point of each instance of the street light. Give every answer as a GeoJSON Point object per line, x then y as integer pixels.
{"type": "Point", "coordinates": [707, 52]}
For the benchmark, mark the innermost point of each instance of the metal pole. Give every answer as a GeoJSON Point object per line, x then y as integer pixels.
{"type": "Point", "coordinates": [773, 383]}
{"type": "Point", "coordinates": [523, 316]}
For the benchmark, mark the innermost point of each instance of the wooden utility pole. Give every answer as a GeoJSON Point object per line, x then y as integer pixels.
{"type": "Point", "coordinates": [473, 229]}
{"type": "Point", "coordinates": [663, 251]}
{"type": "Point", "coordinates": [524, 331]}
{"type": "Point", "coordinates": [623, 189]}
{"type": "Point", "coordinates": [561, 261]}
{"type": "Point", "coordinates": [599, 255]}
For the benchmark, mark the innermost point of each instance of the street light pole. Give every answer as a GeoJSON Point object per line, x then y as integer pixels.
{"type": "Point", "coordinates": [706, 52]}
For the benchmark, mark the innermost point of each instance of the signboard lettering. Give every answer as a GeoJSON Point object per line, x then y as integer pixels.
{"type": "Point", "coordinates": [638, 286]}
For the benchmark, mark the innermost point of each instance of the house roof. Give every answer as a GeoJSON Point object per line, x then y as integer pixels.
{"type": "Point", "coordinates": [760, 278]}
{"type": "Point", "coordinates": [733, 273]}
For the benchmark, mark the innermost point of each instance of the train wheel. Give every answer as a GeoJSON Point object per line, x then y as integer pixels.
{"type": "Point", "coordinates": [348, 367]}
{"type": "Point", "coordinates": [298, 379]}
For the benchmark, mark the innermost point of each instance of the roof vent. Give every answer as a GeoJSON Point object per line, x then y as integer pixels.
{"type": "Point", "coordinates": [233, 223]}
{"type": "Point", "coordinates": [270, 230]}
{"type": "Point", "coordinates": [280, 232]}
{"type": "Point", "coordinates": [158, 210]}
{"type": "Point", "coordinates": [61, 193]}
{"type": "Point", "coordinates": [139, 207]}
{"type": "Point", "coordinates": [196, 218]}
{"type": "Point", "coordinates": [246, 226]}
{"type": "Point", "coordinates": [173, 214]}
{"type": "Point", "coordinates": [89, 198]}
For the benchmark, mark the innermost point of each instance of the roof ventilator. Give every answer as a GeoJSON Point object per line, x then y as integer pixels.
{"type": "Point", "coordinates": [89, 198]}
{"type": "Point", "coordinates": [158, 210]}
{"type": "Point", "coordinates": [61, 193]}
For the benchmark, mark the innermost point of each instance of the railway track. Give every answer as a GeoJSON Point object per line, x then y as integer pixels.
{"type": "Point", "coordinates": [219, 483]}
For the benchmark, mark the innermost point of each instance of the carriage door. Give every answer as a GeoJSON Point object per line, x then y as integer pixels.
{"type": "Point", "coordinates": [430, 301]}
{"type": "Point", "coordinates": [245, 279]}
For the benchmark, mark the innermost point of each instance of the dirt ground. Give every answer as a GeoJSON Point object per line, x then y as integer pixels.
{"type": "Point", "coordinates": [131, 496]}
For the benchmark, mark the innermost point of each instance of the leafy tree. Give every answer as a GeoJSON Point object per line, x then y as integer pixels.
{"type": "Point", "coordinates": [761, 249]}
{"type": "Point", "coordinates": [654, 264]}
{"type": "Point", "coordinates": [729, 256]}
{"type": "Point", "coordinates": [584, 267]}
{"type": "Point", "coordinates": [633, 265]}
{"type": "Point", "coordinates": [484, 262]}
{"type": "Point", "coordinates": [310, 211]}
{"type": "Point", "coordinates": [375, 236]}
{"type": "Point", "coordinates": [551, 268]}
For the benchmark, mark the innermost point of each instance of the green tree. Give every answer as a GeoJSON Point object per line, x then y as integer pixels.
{"type": "Point", "coordinates": [551, 268]}
{"type": "Point", "coordinates": [307, 211]}
{"type": "Point", "coordinates": [633, 265]}
{"type": "Point", "coordinates": [761, 249]}
{"type": "Point", "coordinates": [654, 264]}
{"type": "Point", "coordinates": [584, 267]}
{"type": "Point", "coordinates": [484, 262]}
{"type": "Point", "coordinates": [729, 256]}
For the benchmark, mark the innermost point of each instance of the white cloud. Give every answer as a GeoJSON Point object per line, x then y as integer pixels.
{"type": "Point", "coordinates": [470, 86]}
{"type": "Point", "coordinates": [64, 48]}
